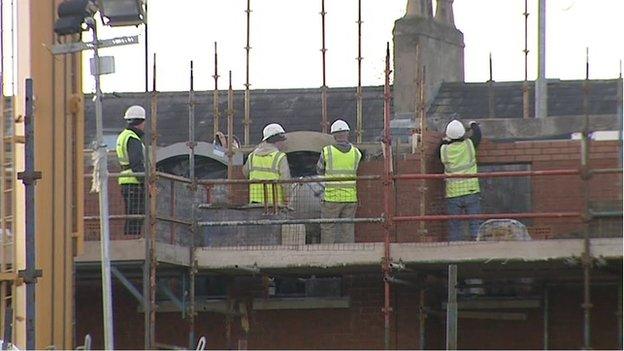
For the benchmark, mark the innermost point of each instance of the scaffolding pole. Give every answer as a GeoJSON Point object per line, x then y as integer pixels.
{"type": "Point", "coordinates": [230, 129]}
{"type": "Point", "coordinates": [149, 284]}
{"type": "Point", "coordinates": [193, 187]}
{"type": "Point", "coordinates": [358, 94]}
{"type": "Point", "coordinates": [216, 115]}
{"type": "Point", "coordinates": [491, 105]}
{"type": "Point", "coordinates": [387, 183]}
{"type": "Point", "coordinates": [586, 175]}
{"type": "Point", "coordinates": [422, 230]}
{"type": "Point", "coordinates": [451, 309]}
{"type": "Point", "coordinates": [29, 177]}
{"type": "Point", "coordinates": [525, 85]}
{"type": "Point", "coordinates": [324, 120]}
{"type": "Point", "coordinates": [247, 120]}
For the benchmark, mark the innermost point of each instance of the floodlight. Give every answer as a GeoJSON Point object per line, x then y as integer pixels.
{"type": "Point", "coordinates": [118, 13]}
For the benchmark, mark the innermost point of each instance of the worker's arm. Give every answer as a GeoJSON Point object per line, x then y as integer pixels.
{"type": "Point", "coordinates": [246, 167]}
{"type": "Point", "coordinates": [135, 155]}
{"type": "Point", "coordinates": [476, 133]}
{"type": "Point", "coordinates": [284, 171]}
{"type": "Point", "coordinates": [320, 165]}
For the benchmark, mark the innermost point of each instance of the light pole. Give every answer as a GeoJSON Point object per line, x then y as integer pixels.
{"type": "Point", "coordinates": [72, 15]}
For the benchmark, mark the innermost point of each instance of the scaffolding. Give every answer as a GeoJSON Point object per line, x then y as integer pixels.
{"type": "Point", "coordinates": [166, 192]}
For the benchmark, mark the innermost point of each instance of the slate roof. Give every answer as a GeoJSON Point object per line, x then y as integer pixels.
{"type": "Point", "coordinates": [565, 98]}
{"type": "Point", "coordinates": [300, 109]}
{"type": "Point", "coordinates": [295, 109]}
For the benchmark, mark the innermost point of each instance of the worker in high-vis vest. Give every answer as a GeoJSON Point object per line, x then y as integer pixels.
{"type": "Point", "coordinates": [268, 162]}
{"type": "Point", "coordinates": [130, 153]}
{"type": "Point", "coordinates": [459, 156]}
{"type": "Point", "coordinates": [340, 197]}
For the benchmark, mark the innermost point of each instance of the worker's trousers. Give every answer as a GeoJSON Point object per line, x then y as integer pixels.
{"type": "Point", "coordinates": [466, 204]}
{"type": "Point", "coordinates": [338, 232]}
{"type": "Point", "coordinates": [134, 200]}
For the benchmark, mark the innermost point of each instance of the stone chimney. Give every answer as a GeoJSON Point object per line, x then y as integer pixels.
{"type": "Point", "coordinates": [440, 50]}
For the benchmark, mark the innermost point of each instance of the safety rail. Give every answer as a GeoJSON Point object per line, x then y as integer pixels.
{"type": "Point", "coordinates": [127, 215]}
{"type": "Point", "coordinates": [547, 203]}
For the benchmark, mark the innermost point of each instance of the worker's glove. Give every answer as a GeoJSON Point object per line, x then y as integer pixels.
{"type": "Point", "coordinates": [471, 123]}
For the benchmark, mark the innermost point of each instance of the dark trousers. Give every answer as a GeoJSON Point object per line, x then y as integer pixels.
{"type": "Point", "coordinates": [134, 199]}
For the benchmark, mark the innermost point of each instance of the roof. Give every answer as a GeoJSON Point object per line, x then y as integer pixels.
{"type": "Point", "coordinates": [565, 98]}
{"type": "Point", "coordinates": [300, 109]}
{"type": "Point", "coordinates": [295, 109]}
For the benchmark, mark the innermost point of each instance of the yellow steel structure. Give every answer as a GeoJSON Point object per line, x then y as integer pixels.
{"type": "Point", "coordinates": [59, 140]}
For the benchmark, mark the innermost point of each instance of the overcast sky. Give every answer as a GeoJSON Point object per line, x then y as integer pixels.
{"type": "Point", "coordinates": [286, 41]}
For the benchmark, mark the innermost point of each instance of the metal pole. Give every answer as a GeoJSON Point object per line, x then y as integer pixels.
{"type": "Point", "coordinates": [3, 232]}
{"type": "Point", "coordinates": [585, 176]}
{"type": "Point", "coordinates": [451, 309]}
{"type": "Point", "coordinates": [146, 48]}
{"type": "Point", "coordinates": [324, 121]}
{"type": "Point", "coordinates": [541, 88]}
{"type": "Point", "coordinates": [191, 120]}
{"type": "Point", "coordinates": [107, 296]}
{"type": "Point", "coordinates": [247, 120]}
{"type": "Point", "coordinates": [358, 94]}
{"type": "Point", "coordinates": [215, 95]}
{"type": "Point", "coordinates": [525, 85]}
{"type": "Point", "coordinates": [29, 178]}
{"type": "Point", "coordinates": [422, 318]}
{"type": "Point", "coordinates": [546, 317]}
{"type": "Point", "coordinates": [491, 105]}
{"type": "Point", "coordinates": [230, 128]}
{"type": "Point", "coordinates": [423, 152]}
{"type": "Point", "coordinates": [618, 314]}
{"type": "Point", "coordinates": [193, 188]}
{"type": "Point", "coordinates": [620, 114]}
{"type": "Point", "coordinates": [387, 182]}
{"type": "Point", "coordinates": [152, 186]}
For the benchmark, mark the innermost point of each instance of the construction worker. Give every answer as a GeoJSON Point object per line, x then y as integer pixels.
{"type": "Point", "coordinates": [340, 198]}
{"type": "Point", "coordinates": [458, 155]}
{"type": "Point", "coordinates": [130, 149]}
{"type": "Point", "coordinates": [267, 162]}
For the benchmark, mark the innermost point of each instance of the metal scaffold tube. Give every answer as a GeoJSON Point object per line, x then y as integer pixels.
{"type": "Point", "coordinates": [193, 188]}
{"type": "Point", "coordinates": [216, 115]}
{"type": "Point", "coordinates": [451, 310]}
{"type": "Point", "coordinates": [387, 183]}
{"type": "Point", "coordinates": [29, 177]}
{"type": "Point", "coordinates": [358, 94]}
{"type": "Point", "coordinates": [230, 129]}
{"type": "Point", "coordinates": [247, 119]}
{"type": "Point", "coordinates": [525, 85]}
{"type": "Point", "coordinates": [586, 176]}
{"type": "Point", "coordinates": [149, 274]}
{"type": "Point", "coordinates": [324, 120]}
{"type": "Point", "coordinates": [423, 150]}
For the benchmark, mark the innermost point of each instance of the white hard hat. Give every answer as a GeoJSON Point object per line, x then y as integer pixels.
{"type": "Point", "coordinates": [271, 130]}
{"type": "Point", "coordinates": [135, 112]}
{"type": "Point", "coordinates": [455, 129]}
{"type": "Point", "coordinates": [339, 126]}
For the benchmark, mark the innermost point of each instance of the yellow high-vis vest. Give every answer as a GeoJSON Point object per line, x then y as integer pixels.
{"type": "Point", "coordinates": [460, 158]}
{"type": "Point", "coordinates": [341, 164]}
{"type": "Point", "coordinates": [265, 167]}
{"type": "Point", "coordinates": [122, 155]}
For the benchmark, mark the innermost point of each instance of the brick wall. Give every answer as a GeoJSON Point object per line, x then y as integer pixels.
{"type": "Point", "coordinates": [361, 325]}
{"type": "Point", "coordinates": [548, 193]}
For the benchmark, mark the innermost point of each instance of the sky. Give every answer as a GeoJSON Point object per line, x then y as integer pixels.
{"type": "Point", "coordinates": [286, 42]}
